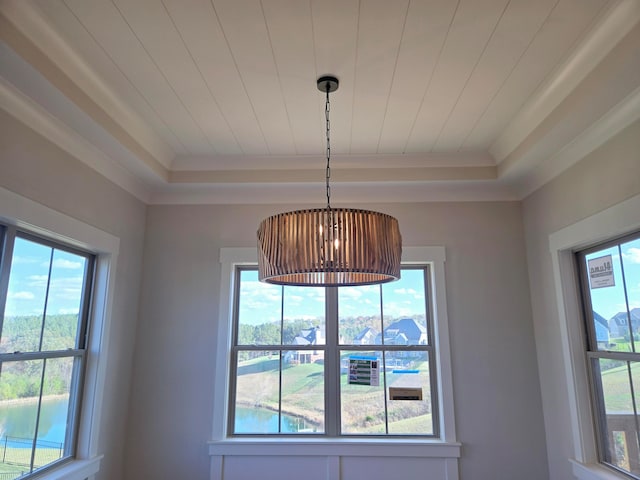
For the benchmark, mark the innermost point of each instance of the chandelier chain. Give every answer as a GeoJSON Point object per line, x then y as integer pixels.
{"type": "Point", "coordinates": [327, 109]}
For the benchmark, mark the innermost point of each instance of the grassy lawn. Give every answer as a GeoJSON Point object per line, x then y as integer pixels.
{"type": "Point", "coordinates": [617, 393]}
{"type": "Point", "coordinates": [15, 470]}
{"type": "Point", "coordinates": [423, 423]}
{"type": "Point", "coordinates": [22, 456]}
{"type": "Point", "coordinates": [303, 396]}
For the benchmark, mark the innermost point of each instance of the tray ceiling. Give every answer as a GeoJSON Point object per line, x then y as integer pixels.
{"type": "Point", "coordinates": [215, 100]}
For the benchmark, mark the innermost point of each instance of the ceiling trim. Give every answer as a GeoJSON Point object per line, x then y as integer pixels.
{"type": "Point", "coordinates": [612, 27]}
{"type": "Point", "coordinates": [618, 118]}
{"type": "Point", "coordinates": [356, 160]}
{"type": "Point", "coordinates": [38, 119]}
{"type": "Point", "coordinates": [343, 175]}
{"type": "Point", "coordinates": [607, 87]}
{"type": "Point", "coordinates": [29, 35]}
{"type": "Point", "coordinates": [341, 193]}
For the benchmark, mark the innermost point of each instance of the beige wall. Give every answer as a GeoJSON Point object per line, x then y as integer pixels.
{"type": "Point", "coordinates": [495, 378]}
{"type": "Point", "coordinates": [34, 168]}
{"type": "Point", "coordinates": [161, 432]}
{"type": "Point", "coordinates": [604, 178]}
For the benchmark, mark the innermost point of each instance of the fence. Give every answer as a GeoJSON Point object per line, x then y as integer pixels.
{"type": "Point", "coordinates": [12, 476]}
{"type": "Point", "coordinates": [17, 451]}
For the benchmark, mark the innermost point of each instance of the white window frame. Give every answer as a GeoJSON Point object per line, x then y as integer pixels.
{"type": "Point", "coordinates": [615, 221]}
{"type": "Point", "coordinates": [36, 218]}
{"type": "Point", "coordinates": [445, 447]}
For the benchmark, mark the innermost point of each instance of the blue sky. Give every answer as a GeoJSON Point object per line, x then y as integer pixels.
{"type": "Point", "coordinates": [608, 301]}
{"type": "Point", "coordinates": [30, 275]}
{"type": "Point", "coordinates": [261, 302]}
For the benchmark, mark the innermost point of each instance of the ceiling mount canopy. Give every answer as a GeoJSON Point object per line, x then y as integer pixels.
{"type": "Point", "coordinates": [329, 246]}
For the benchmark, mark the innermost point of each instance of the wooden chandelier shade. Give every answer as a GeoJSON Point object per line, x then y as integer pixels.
{"type": "Point", "coordinates": [329, 247]}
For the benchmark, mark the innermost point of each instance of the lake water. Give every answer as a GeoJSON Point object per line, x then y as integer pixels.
{"type": "Point", "coordinates": [251, 420]}
{"type": "Point", "coordinates": [19, 420]}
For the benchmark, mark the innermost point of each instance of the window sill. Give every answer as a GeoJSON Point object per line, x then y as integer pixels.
{"type": "Point", "coordinates": [594, 471]}
{"type": "Point", "coordinates": [74, 470]}
{"type": "Point", "coordinates": [335, 447]}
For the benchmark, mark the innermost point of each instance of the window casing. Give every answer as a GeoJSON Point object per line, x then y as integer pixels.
{"type": "Point", "coordinates": [609, 276]}
{"type": "Point", "coordinates": [444, 450]}
{"type": "Point", "coordinates": [45, 292]}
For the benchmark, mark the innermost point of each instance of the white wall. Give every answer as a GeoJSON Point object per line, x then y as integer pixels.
{"type": "Point", "coordinates": [604, 178]}
{"type": "Point", "coordinates": [495, 378]}
{"type": "Point", "coordinates": [34, 168]}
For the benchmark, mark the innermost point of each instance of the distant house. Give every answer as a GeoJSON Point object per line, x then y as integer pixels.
{"type": "Point", "coordinates": [603, 336]}
{"type": "Point", "coordinates": [619, 323]}
{"type": "Point", "coordinates": [311, 336]}
{"type": "Point", "coordinates": [366, 337]}
{"type": "Point", "coordinates": [405, 331]}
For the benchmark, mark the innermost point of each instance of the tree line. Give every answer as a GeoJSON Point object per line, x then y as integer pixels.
{"type": "Point", "coordinates": [23, 379]}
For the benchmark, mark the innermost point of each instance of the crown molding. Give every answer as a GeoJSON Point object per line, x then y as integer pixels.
{"type": "Point", "coordinates": [302, 162]}
{"type": "Point", "coordinates": [607, 87]}
{"type": "Point", "coordinates": [618, 118]}
{"type": "Point", "coordinates": [23, 28]}
{"type": "Point", "coordinates": [612, 27]}
{"type": "Point", "coordinates": [343, 175]}
{"type": "Point", "coordinates": [341, 193]}
{"type": "Point", "coordinates": [38, 119]}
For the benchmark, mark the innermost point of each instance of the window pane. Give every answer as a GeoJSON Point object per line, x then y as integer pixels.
{"type": "Point", "coordinates": [613, 331]}
{"type": "Point", "coordinates": [257, 392]}
{"type": "Point", "coordinates": [303, 392]}
{"type": "Point", "coordinates": [621, 440]}
{"type": "Point", "coordinates": [362, 407]}
{"type": "Point", "coordinates": [63, 302]}
{"type": "Point", "coordinates": [407, 375]}
{"type": "Point", "coordinates": [304, 313]}
{"type": "Point", "coordinates": [403, 303]}
{"type": "Point", "coordinates": [26, 297]}
{"type": "Point", "coordinates": [359, 315]}
{"type": "Point", "coordinates": [259, 313]}
{"type": "Point", "coordinates": [19, 395]}
{"type": "Point", "coordinates": [631, 264]}
{"type": "Point", "coordinates": [54, 411]}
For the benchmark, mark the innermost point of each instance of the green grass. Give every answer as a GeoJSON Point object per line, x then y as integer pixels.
{"type": "Point", "coordinates": [16, 470]}
{"type": "Point", "coordinates": [11, 456]}
{"type": "Point", "coordinates": [417, 425]}
{"type": "Point", "coordinates": [615, 385]}
{"type": "Point", "coordinates": [303, 395]}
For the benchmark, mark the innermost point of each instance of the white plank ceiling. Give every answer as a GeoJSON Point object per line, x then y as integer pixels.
{"type": "Point", "coordinates": [195, 88]}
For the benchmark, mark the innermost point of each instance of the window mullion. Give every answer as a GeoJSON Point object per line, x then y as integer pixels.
{"type": "Point", "coordinates": [5, 264]}
{"type": "Point", "coordinates": [26, 356]}
{"type": "Point", "coordinates": [332, 364]}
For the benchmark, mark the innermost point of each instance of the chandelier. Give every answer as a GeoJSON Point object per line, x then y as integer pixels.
{"type": "Point", "coordinates": [329, 246]}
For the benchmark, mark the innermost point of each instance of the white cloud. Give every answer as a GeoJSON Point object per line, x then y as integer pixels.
{"type": "Point", "coordinates": [259, 296]}
{"type": "Point", "coordinates": [394, 309]}
{"type": "Point", "coordinates": [632, 255]}
{"type": "Point", "coordinates": [69, 288]}
{"type": "Point", "coordinates": [23, 260]}
{"type": "Point", "coordinates": [37, 280]}
{"type": "Point", "coordinates": [66, 264]}
{"type": "Point", "coordinates": [351, 293]}
{"type": "Point", "coordinates": [409, 291]}
{"type": "Point", "coordinates": [24, 295]}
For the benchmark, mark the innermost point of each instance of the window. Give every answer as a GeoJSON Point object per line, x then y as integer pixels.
{"type": "Point", "coordinates": [345, 361]}
{"type": "Point", "coordinates": [45, 289]}
{"type": "Point", "coordinates": [610, 284]}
